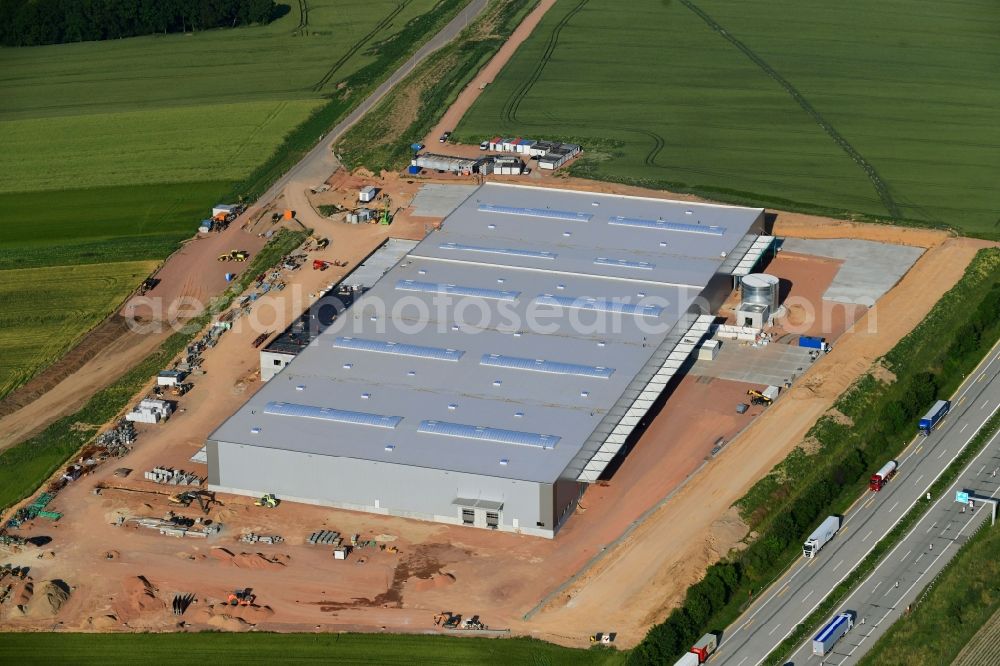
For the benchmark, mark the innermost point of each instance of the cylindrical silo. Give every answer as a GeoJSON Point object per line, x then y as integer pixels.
{"type": "Point", "coordinates": [760, 288]}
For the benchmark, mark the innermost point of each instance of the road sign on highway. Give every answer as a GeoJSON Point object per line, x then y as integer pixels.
{"type": "Point", "coordinates": [962, 496]}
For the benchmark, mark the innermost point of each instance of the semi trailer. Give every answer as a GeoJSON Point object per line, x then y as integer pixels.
{"type": "Point", "coordinates": [881, 477]}
{"type": "Point", "coordinates": [832, 632]}
{"type": "Point", "coordinates": [811, 342]}
{"type": "Point", "coordinates": [820, 536]}
{"type": "Point", "coordinates": [933, 417]}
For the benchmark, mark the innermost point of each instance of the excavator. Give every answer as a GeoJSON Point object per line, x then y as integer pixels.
{"type": "Point", "coordinates": [244, 597]}
{"type": "Point", "coordinates": [447, 619]}
{"type": "Point", "coordinates": [205, 498]}
{"type": "Point", "coordinates": [758, 398]}
{"type": "Point", "coordinates": [268, 501]}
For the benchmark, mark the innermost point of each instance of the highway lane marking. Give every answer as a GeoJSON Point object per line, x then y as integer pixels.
{"type": "Point", "coordinates": [963, 428]}
{"type": "Point", "coordinates": [894, 506]}
{"type": "Point", "coordinates": [773, 630]}
{"type": "Point", "coordinates": [941, 455]}
{"type": "Point", "coordinates": [870, 500]}
{"type": "Point", "coordinates": [876, 586]}
{"type": "Point", "coordinates": [931, 527]}
{"type": "Point", "coordinates": [980, 470]}
{"type": "Point", "coordinates": [917, 481]}
{"type": "Point", "coordinates": [903, 559]}
{"type": "Point", "coordinates": [918, 448]}
{"type": "Point", "coordinates": [868, 535]}
{"type": "Point", "coordinates": [918, 558]}
{"type": "Point", "coordinates": [981, 377]}
{"type": "Point", "coordinates": [807, 596]}
{"type": "Point", "coordinates": [838, 565]}
{"type": "Point", "coordinates": [896, 521]}
{"type": "Point", "coordinates": [768, 600]}
{"type": "Point", "coordinates": [984, 404]}
{"type": "Point", "coordinates": [784, 588]}
{"type": "Point", "coordinates": [742, 660]}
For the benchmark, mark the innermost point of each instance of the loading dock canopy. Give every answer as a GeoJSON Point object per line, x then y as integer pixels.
{"type": "Point", "coordinates": [527, 336]}
{"type": "Point", "coordinates": [486, 505]}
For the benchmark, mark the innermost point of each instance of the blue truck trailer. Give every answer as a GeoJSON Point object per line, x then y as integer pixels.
{"type": "Point", "coordinates": [932, 418]}
{"type": "Point", "coordinates": [832, 632]}
{"type": "Point", "coordinates": [811, 342]}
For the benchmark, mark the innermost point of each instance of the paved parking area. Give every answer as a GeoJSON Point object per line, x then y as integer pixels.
{"type": "Point", "coordinates": [772, 364]}
{"type": "Point", "coordinates": [869, 270]}
{"type": "Point", "coordinates": [434, 200]}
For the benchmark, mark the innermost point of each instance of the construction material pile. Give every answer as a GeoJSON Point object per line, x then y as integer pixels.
{"type": "Point", "coordinates": [173, 477]}
{"type": "Point", "coordinates": [177, 526]}
{"type": "Point", "coordinates": [118, 440]}
{"type": "Point", "coordinates": [150, 411]}
{"type": "Point", "coordinates": [11, 540]}
{"type": "Point", "coordinates": [36, 508]}
{"type": "Point", "coordinates": [260, 538]}
{"type": "Point", "coordinates": [324, 537]}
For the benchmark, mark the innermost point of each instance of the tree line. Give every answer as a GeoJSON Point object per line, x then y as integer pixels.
{"type": "Point", "coordinates": [36, 22]}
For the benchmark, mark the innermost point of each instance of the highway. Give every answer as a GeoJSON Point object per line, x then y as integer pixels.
{"type": "Point", "coordinates": [922, 553]}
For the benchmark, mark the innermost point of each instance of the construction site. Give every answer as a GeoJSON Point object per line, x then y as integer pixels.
{"type": "Point", "coordinates": [143, 532]}
{"type": "Point", "coordinates": [314, 461]}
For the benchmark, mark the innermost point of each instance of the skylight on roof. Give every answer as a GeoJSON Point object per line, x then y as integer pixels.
{"type": "Point", "coordinates": [506, 251]}
{"type": "Point", "coordinates": [708, 230]}
{"type": "Point", "coordinates": [399, 349]}
{"type": "Point", "coordinates": [624, 263]}
{"type": "Point", "coordinates": [547, 213]}
{"type": "Point", "coordinates": [599, 305]}
{"type": "Point", "coordinates": [498, 435]}
{"type": "Point", "coordinates": [541, 365]}
{"type": "Point", "coordinates": [456, 290]}
{"type": "Point", "coordinates": [330, 414]}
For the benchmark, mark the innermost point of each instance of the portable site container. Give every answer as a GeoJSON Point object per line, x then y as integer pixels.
{"type": "Point", "coordinates": [367, 193]}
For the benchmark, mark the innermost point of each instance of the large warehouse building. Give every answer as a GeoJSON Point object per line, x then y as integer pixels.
{"type": "Point", "coordinates": [499, 366]}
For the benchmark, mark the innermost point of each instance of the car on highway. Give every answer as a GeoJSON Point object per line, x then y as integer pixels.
{"type": "Point", "coordinates": [444, 137]}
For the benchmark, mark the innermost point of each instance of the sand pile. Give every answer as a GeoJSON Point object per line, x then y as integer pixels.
{"type": "Point", "coordinates": [24, 595]}
{"type": "Point", "coordinates": [228, 623]}
{"type": "Point", "coordinates": [102, 622]}
{"type": "Point", "coordinates": [435, 582]}
{"type": "Point", "coordinates": [251, 560]}
{"type": "Point", "coordinates": [138, 597]}
{"type": "Point", "coordinates": [231, 618]}
{"type": "Point", "coordinates": [50, 599]}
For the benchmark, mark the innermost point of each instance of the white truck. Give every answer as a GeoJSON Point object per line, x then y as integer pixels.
{"type": "Point", "coordinates": [820, 536]}
{"type": "Point", "coordinates": [832, 632]}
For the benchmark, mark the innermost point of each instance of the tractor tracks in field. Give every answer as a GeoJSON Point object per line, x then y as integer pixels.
{"type": "Point", "coordinates": [303, 17]}
{"type": "Point", "coordinates": [881, 188]}
{"type": "Point", "coordinates": [658, 144]}
{"type": "Point", "coordinates": [513, 103]}
{"type": "Point", "coordinates": [358, 45]}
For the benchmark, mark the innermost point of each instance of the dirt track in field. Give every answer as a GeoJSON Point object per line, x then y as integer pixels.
{"type": "Point", "coordinates": [486, 75]}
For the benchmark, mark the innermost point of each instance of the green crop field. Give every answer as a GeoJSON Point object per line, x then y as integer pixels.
{"type": "Point", "coordinates": [43, 310]}
{"type": "Point", "coordinates": [114, 151]}
{"type": "Point", "coordinates": [264, 648]}
{"type": "Point", "coordinates": [886, 110]}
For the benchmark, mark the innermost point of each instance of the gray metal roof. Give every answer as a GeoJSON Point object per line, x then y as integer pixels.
{"type": "Point", "coordinates": [436, 366]}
